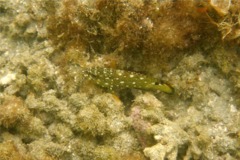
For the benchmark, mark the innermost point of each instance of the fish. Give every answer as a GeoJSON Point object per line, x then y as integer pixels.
{"type": "Point", "coordinates": [120, 79]}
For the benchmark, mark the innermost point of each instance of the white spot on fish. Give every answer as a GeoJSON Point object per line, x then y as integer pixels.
{"type": "Point", "coordinates": [98, 81]}
{"type": "Point", "coordinates": [112, 79]}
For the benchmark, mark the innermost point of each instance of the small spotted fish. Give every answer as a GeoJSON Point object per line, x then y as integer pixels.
{"type": "Point", "coordinates": [119, 79]}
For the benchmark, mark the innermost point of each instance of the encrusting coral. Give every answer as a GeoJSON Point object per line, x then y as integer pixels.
{"type": "Point", "coordinates": [50, 110]}
{"type": "Point", "coordinates": [148, 120]}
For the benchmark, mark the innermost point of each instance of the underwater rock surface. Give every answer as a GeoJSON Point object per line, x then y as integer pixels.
{"type": "Point", "coordinates": [50, 110]}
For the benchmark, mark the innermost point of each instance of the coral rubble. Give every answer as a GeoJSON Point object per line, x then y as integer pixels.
{"type": "Point", "coordinates": [50, 110]}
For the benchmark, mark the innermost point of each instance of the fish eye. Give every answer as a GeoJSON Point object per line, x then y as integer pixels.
{"type": "Point", "coordinates": [156, 83]}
